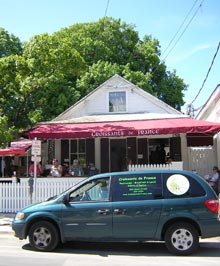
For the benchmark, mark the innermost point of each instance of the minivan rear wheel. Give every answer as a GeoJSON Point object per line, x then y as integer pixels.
{"type": "Point", "coordinates": [182, 238]}
{"type": "Point", "coordinates": [43, 236]}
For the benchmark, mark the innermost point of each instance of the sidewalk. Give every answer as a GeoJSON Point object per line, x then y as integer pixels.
{"type": "Point", "coordinates": [5, 222]}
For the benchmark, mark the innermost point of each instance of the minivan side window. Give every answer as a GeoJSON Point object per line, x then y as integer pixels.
{"type": "Point", "coordinates": [133, 186]}
{"type": "Point", "coordinates": [181, 185]}
{"type": "Point", "coordinates": [94, 190]}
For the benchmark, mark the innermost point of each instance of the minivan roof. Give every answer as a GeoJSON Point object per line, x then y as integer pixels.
{"type": "Point", "coordinates": [141, 172]}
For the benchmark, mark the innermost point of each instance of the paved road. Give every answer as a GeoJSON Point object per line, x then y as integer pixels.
{"type": "Point", "coordinates": [18, 252]}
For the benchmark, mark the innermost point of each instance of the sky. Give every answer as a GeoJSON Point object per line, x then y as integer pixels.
{"type": "Point", "coordinates": [188, 31]}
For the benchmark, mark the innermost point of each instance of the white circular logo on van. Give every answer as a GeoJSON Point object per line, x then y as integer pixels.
{"type": "Point", "coordinates": [178, 184]}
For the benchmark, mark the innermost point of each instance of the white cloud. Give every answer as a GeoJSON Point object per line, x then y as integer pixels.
{"type": "Point", "coordinates": [184, 55]}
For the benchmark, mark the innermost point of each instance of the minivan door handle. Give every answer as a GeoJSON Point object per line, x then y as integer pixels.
{"type": "Point", "coordinates": [119, 211]}
{"type": "Point", "coordinates": [103, 211]}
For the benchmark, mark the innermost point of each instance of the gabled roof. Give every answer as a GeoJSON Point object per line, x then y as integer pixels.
{"type": "Point", "coordinates": [211, 105]}
{"type": "Point", "coordinates": [166, 121]}
{"type": "Point", "coordinates": [115, 83]}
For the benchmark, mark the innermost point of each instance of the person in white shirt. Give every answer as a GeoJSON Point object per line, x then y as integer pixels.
{"type": "Point", "coordinates": [56, 169]}
{"type": "Point", "coordinates": [213, 178]}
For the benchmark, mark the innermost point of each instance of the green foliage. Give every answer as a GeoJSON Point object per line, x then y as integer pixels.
{"type": "Point", "coordinates": [106, 40]}
{"type": "Point", "coordinates": [95, 75]}
{"type": "Point", "coordinates": [39, 79]}
{"type": "Point", "coordinates": [9, 44]}
{"type": "Point", "coordinates": [6, 134]}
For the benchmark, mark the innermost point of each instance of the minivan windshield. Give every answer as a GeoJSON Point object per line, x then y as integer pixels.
{"type": "Point", "coordinates": [65, 191]}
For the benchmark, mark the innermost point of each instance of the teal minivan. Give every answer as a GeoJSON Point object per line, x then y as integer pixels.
{"type": "Point", "coordinates": [177, 207]}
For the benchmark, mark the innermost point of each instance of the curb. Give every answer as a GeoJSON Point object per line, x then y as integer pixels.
{"type": "Point", "coordinates": [5, 223]}
{"type": "Point", "coordinates": [6, 230]}
{"type": "Point", "coordinates": [5, 227]}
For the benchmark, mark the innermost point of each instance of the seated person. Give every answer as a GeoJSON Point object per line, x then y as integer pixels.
{"type": "Point", "coordinates": [92, 170]}
{"type": "Point", "coordinates": [65, 169]}
{"type": "Point", "coordinates": [213, 178]}
{"type": "Point", "coordinates": [169, 160]}
{"type": "Point", "coordinates": [31, 169]}
{"type": "Point", "coordinates": [103, 192]}
{"type": "Point", "coordinates": [76, 169]}
{"type": "Point", "coordinates": [56, 169]}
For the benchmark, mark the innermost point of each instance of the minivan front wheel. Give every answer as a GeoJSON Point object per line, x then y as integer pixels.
{"type": "Point", "coordinates": [182, 238]}
{"type": "Point", "coordinates": [43, 236]}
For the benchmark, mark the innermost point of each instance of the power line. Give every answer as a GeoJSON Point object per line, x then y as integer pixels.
{"type": "Point", "coordinates": [106, 8]}
{"type": "Point", "coordinates": [187, 25]}
{"type": "Point", "coordinates": [163, 60]}
{"type": "Point", "coordinates": [104, 18]}
{"type": "Point", "coordinates": [180, 27]}
{"type": "Point", "coordinates": [207, 73]}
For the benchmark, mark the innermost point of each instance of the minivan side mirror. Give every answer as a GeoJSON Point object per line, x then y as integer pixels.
{"type": "Point", "coordinates": [65, 199]}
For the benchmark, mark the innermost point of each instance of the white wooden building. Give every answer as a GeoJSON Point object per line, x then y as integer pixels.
{"type": "Point", "coordinates": [211, 112]}
{"type": "Point", "coordinates": [119, 121]}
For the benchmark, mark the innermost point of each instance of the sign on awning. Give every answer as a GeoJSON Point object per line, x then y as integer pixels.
{"type": "Point", "coordinates": [117, 129]}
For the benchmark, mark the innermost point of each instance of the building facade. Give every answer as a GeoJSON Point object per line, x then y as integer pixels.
{"type": "Point", "coordinates": [119, 123]}
{"type": "Point", "coordinates": [211, 112]}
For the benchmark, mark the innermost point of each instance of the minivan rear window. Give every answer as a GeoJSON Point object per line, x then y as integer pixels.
{"type": "Point", "coordinates": [137, 187]}
{"type": "Point", "coordinates": [179, 185]}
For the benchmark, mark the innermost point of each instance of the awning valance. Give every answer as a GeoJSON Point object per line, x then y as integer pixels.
{"type": "Point", "coordinates": [16, 148]}
{"type": "Point", "coordinates": [122, 128]}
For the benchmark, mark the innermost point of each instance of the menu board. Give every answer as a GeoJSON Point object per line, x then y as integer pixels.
{"type": "Point", "coordinates": [137, 186]}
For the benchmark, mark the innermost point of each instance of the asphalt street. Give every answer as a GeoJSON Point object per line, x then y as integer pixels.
{"type": "Point", "coordinates": [18, 252]}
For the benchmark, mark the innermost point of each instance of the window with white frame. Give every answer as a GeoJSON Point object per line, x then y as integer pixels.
{"type": "Point", "coordinates": [117, 101]}
{"type": "Point", "coordinates": [78, 151]}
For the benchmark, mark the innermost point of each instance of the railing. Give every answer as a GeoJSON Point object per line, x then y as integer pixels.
{"type": "Point", "coordinates": [14, 196]}
{"type": "Point", "coordinates": [170, 166]}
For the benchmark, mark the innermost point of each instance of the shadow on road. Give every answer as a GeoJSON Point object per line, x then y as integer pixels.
{"type": "Point", "coordinates": [105, 249]}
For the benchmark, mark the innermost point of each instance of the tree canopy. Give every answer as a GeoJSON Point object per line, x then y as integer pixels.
{"type": "Point", "coordinates": [40, 78]}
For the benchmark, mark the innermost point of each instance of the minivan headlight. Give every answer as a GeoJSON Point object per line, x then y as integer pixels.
{"type": "Point", "coordinates": [19, 216]}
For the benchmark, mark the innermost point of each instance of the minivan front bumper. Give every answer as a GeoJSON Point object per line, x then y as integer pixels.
{"type": "Point", "coordinates": [19, 229]}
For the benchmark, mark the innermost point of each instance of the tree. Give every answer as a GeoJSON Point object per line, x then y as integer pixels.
{"type": "Point", "coordinates": [40, 78]}
{"type": "Point", "coordinates": [37, 86]}
{"type": "Point", "coordinates": [6, 134]}
{"type": "Point", "coordinates": [106, 40]}
{"type": "Point", "coordinates": [53, 66]}
{"type": "Point", "coordinates": [9, 44]}
{"type": "Point", "coordinates": [96, 75]}
{"type": "Point", "coordinates": [113, 44]}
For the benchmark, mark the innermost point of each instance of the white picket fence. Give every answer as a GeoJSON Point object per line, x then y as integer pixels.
{"type": "Point", "coordinates": [202, 159]}
{"type": "Point", "coordinates": [171, 166]}
{"type": "Point", "coordinates": [14, 196]}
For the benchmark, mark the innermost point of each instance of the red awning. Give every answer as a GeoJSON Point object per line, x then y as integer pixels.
{"type": "Point", "coordinates": [17, 147]}
{"type": "Point", "coordinates": [122, 128]}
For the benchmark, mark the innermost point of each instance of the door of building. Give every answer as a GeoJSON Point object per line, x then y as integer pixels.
{"type": "Point", "coordinates": [118, 155]}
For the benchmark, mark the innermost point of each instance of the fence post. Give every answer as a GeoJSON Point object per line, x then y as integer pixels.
{"type": "Point", "coordinates": [31, 187]}
{"type": "Point", "coordinates": [1, 198]}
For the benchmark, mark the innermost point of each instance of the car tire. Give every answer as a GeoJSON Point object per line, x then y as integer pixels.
{"type": "Point", "coordinates": [182, 238]}
{"type": "Point", "coordinates": [43, 236]}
